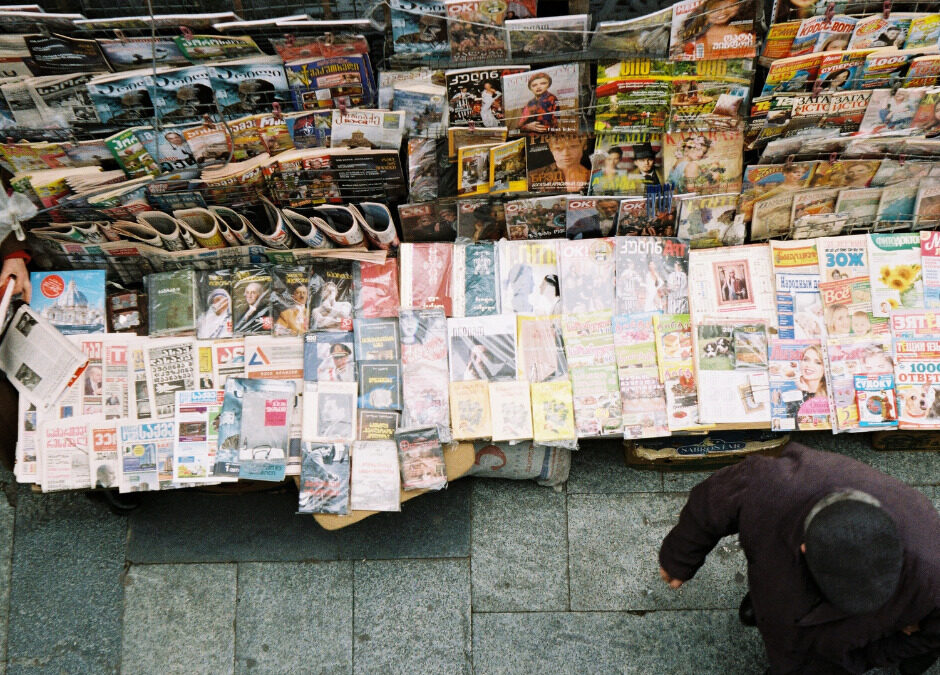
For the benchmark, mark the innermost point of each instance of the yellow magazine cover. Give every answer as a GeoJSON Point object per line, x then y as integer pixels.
{"type": "Point", "coordinates": [473, 170]}
{"type": "Point", "coordinates": [511, 411]}
{"type": "Point", "coordinates": [507, 167]}
{"type": "Point", "coordinates": [552, 412]}
{"type": "Point", "coordinates": [246, 137]}
{"type": "Point", "coordinates": [470, 410]}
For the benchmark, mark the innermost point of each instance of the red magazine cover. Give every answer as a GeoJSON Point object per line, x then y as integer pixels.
{"type": "Point", "coordinates": [377, 289]}
{"type": "Point", "coordinates": [426, 271]}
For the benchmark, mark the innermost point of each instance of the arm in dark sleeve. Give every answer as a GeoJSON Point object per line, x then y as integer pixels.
{"type": "Point", "coordinates": [710, 514]}
{"type": "Point", "coordinates": [13, 248]}
{"type": "Point", "coordinates": [892, 649]}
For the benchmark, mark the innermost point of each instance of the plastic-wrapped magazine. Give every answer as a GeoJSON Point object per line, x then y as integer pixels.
{"type": "Point", "coordinates": [732, 368]}
{"type": "Point", "coordinates": [475, 289]}
{"type": "Point", "coordinates": [470, 410]}
{"type": "Point", "coordinates": [916, 378]}
{"type": "Point", "coordinates": [736, 280]}
{"type": "Point", "coordinates": [647, 35]}
{"type": "Point", "coordinates": [482, 348]}
{"type": "Point", "coordinates": [380, 385]}
{"type": "Point", "coordinates": [375, 478]}
{"type": "Point", "coordinates": [641, 391]}
{"type": "Point", "coordinates": [508, 167]}
{"type": "Point", "coordinates": [289, 299]}
{"type": "Point", "coordinates": [552, 412]}
{"type": "Point", "coordinates": [709, 221]}
{"type": "Point", "coordinates": [475, 95]}
{"type": "Point", "coordinates": [141, 448]}
{"type": "Point", "coordinates": [652, 274]}
{"type": "Point", "coordinates": [591, 217]}
{"type": "Point", "coordinates": [547, 35]}
{"type": "Point", "coordinates": [677, 370]}
{"type": "Point", "coordinates": [650, 216]}
{"type": "Point", "coordinates": [172, 297]}
{"type": "Point", "coordinates": [425, 106]}
{"type": "Point", "coordinates": [701, 32]}
{"type": "Point", "coordinates": [251, 287]}
{"type": "Point", "coordinates": [424, 369]}
{"type": "Point", "coordinates": [249, 86]}
{"type": "Point", "coordinates": [228, 358]}
{"type": "Point", "coordinates": [796, 278]}
{"type": "Point", "coordinates": [859, 205]}
{"type": "Point", "coordinates": [324, 478]}
{"type": "Point", "coordinates": [213, 304]}
{"type": "Point", "coordinates": [328, 357]}
{"type": "Point", "coordinates": [703, 162]}
{"type": "Point", "coordinates": [876, 401]}
{"type": "Point", "coordinates": [475, 29]}
{"type": "Point", "coordinates": [254, 427]}
{"type": "Point", "coordinates": [377, 425]}
{"type": "Point", "coordinates": [419, 27]}
{"type": "Point", "coordinates": [589, 339]}
{"type": "Point", "coordinates": [426, 275]}
{"type": "Point", "coordinates": [196, 434]}
{"type": "Point", "coordinates": [528, 274]}
{"type": "Point", "coordinates": [171, 367]}
{"type": "Point", "coordinates": [897, 203]}
{"type": "Point", "coordinates": [375, 289]}
{"type": "Point", "coordinates": [548, 99]}
{"type": "Point", "coordinates": [65, 449]}
{"type": "Point", "coordinates": [844, 173]}
{"type": "Point", "coordinates": [421, 458]}
{"type": "Point", "coordinates": [329, 411]}
{"type": "Point", "coordinates": [930, 268]}
{"type": "Point", "coordinates": [597, 407]}
{"type": "Point", "coordinates": [588, 270]}
{"type": "Point", "coordinates": [537, 217]}
{"type": "Point", "coordinates": [330, 295]}
{"type": "Point", "coordinates": [510, 410]}
{"type": "Point", "coordinates": [428, 222]}
{"type": "Point", "coordinates": [895, 271]}
{"type": "Point", "coordinates": [798, 391]}
{"type": "Point", "coordinates": [848, 357]}
{"type": "Point", "coordinates": [377, 340]}
{"type": "Point", "coordinates": [625, 163]}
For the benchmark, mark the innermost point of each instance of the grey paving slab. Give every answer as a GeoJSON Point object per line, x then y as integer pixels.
{"type": "Point", "coordinates": [613, 547]}
{"type": "Point", "coordinates": [433, 525]}
{"type": "Point", "coordinates": [412, 616]}
{"type": "Point", "coordinates": [683, 481]}
{"type": "Point", "coordinates": [65, 590]}
{"type": "Point", "coordinates": [699, 642]}
{"type": "Point", "coordinates": [294, 618]}
{"type": "Point", "coordinates": [519, 558]}
{"type": "Point", "coordinates": [599, 467]}
{"type": "Point", "coordinates": [225, 528]}
{"type": "Point", "coordinates": [7, 517]}
{"type": "Point", "coordinates": [179, 619]}
{"type": "Point", "coordinates": [914, 468]}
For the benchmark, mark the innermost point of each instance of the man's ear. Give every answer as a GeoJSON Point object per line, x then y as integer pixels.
{"type": "Point", "coordinates": [803, 549]}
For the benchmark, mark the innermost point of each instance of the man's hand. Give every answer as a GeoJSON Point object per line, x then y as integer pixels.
{"type": "Point", "coordinates": [673, 583]}
{"type": "Point", "coordinates": [15, 267]}
{"type": "Point", "coordinates": [910, 630]}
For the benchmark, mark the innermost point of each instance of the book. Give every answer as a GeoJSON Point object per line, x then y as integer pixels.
{"type": "Point", "coordinates": [796, 279]}
{"type": "Point", "coordinates": [546, 35]}
{"type": "Point", "coordinates": [588, 275]}
{"type": "Point", "coordinates": [171, 306]}
{"type": "Point", "coordinates": [377, 425]}
{"type": "Point", "coordinates": [482, 348]}
{"type": "Point", "coordinates": [540, 350]}
{"type": "Point", "coordinates": [330, 291]}
{"type": "Point", "coordinates": [895, 258]}
{"type": "Point", "coordinates": [475, 29]}
{"type": "Point", "coordinates": [548, 99]}
{"type": "Point", "coordinates": [424, 369]}
{"type": "Point", "coordinates": [324, 478]}
{"type": "Point", "coordinates": [329, 411]}
{"type": "Point", "coordinates": [419, 27]}
{"type": "Point", "coordinates": [510, 410]}
{"type": "Point", "coordinates": [249, 86]}
{"type": "Point", "coordinates": [470, 410]}
{"type": "Point", "coordinates": [251, 311]}
{"type": "Point", "coordinates": [798, 390]}
{"type": "Point", "coordinates": [426, 274]}
{"type": "Point", "coordinates": [380, 385]}
{"type": "Point", "coordinates": [701, 33]}
{"type": "Point", "coordinates": [703, 162]}
{"type": "Point", "coordinates": [421, 458]}
{"type": "Point", "coordinates": [625, 163]}
{"type": "Point", "coordinates": [652, 275]}
{"type": "Point", "coordinates": [596, 397]}
{"type": "Point", "coordinates": [475, 291]}
{"type": "Point", "coordinates": [377, 339]}
{"type": "Point", "coordinates": [590, 217]}
{"type": "Point", "coordinates": [375, 479]}
{"type": "Point", "coordinates": [528, 276]}
{"type": "Point", "coordinates": [375, 289]}
{"type": "Point", "coordinates": [709, 221]}
{"type": "Point", "coordinates": [552, 412]}
{"type": "Point", "coordinates": [71, 300]}
{"type": "Point", "coordinates": [328, 357]}
{"type": "Point", "coordinates": [475, 95]}
{"type": "Point", "coordinates": [473, 170]}
{"type": "Point", "coordinates": [537, 217]}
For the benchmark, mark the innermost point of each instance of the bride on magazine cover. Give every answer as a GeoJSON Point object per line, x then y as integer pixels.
{"type": "Point", "coordinates": [490, 99]}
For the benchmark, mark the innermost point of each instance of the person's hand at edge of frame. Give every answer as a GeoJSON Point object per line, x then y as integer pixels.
{"type": "Point", "coordinates": [673, 583]}
{"type": "Point", "coordinates": [16, 267]}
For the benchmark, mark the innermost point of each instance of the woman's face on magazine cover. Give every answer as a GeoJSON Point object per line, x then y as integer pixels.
{"type": "Point", "coordinates": [722, 11]}
{"type": "Point", "coordinates": [695, 148]}
{"type": "Point", "coordinates": [811, 366]}
{"type": "Point", "coordinates": [566, 151]}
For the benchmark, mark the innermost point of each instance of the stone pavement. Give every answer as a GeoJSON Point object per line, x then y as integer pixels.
{"type": "Point", "coordinates": [488, 577]}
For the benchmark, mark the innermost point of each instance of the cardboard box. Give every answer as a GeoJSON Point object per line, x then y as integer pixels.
{"type": "Point", "coordinates": [906, 440]}
{"type": "Point", "coordinates": [702, 452]}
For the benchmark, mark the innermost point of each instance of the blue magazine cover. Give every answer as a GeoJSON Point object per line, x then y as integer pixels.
{"type": "Point", "coordinates": [249, 86]}
{"type": "Point", "coordinates": [72, 300]}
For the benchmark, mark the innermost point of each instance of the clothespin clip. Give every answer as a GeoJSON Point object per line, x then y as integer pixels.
{"type": "Point", "coordinates": [887, 9]}
{"type": "Point", "coordinates": [830, 11]}
{"type": "Point", "coordinates": [895, 86]}
{"type": "Point", "coordinates": [327, 38]}
{"type": "Point", "coordinates": [276, 111]}
{"type": "Point", "coordinates": [207, 121]}
{"type": "Point", "coordinates": [817, 86]}
{"type": "Point", "coordinates": [789, 161]}
{"type": "Point", "coordinates": [833, 157]}
{"type": "Point", "coordinates": [901, 159]}
{"type": "Point", "coordinates": [186, 32]}
{"type": "Point", "coordinates": [471, 125]}
{"type": "Point", "coordinates": [119, 34]}
{"type": "Point", "coordinates": [341, 104]}
{"type": "Point", "coordinates": [289, 39]}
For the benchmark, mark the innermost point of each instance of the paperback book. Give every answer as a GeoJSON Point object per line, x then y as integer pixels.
{"type": "Point", "coordinates": [510, 410]}
{"type": "Point", "coordinates": [421, 458]}
{"type": "Point", "coordinates": [482, 348]}
{"type": "Point", "coordinates": [324, 478]}
{"type": "Point", "coordinates": [375, 479]}
{"type": "Point", "coordinates": [470, 410]}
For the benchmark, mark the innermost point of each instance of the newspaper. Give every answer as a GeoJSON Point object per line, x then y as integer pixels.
{"type": "Point", "coordinates": [141, 446]}
{"type": "Point", "coordinates": [171, 367]}
{"type": "Point", "coordinates": [105, 464]}
{"type": "Point", "coordinates": [115, 380]}
{"type": "Point", "coordinates": [196, 434]}
{"type": "Point", "coordinates": [64, 454]}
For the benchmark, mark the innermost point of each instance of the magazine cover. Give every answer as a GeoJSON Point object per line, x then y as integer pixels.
{"type": "Point", "coordinates": [140, 446]}
{"type": "Point", "coordinates": [210, 143]}
{"type": "Point", "coordinates": [482, 348]}
{"type": "Point", "coordinates": [130, 53]}
{"type": "Point", "coordinates": [426, 275]}
{"type": "Point", "coordinates": [475, 95]}
{"type": "Point", "coordinates": [884, 68]}
{"type": "Point", "coordinates": [732, 370]}
{"type": "Point", "coordinates": [251, 312]}
{"type": "Point", "coordinates": [475, 282]}
{"type": "Point", "coordinates": [889, 112]}
{"type": "Point", "coordinates": [792, 74]}
{"type": "Point", "coordinates": [845, 286]}
{"type": "Point", "coordinates": [589, 339]}
{"type": "Point", "coordinates": [876, 401]}
{"type": "Point", "coordinates": [196, 426]}
{"type": "Point", "coordinates": [424, 369]}
{"type": "Point", "coordinates": [362, 128]}
{"type": "Point", "coordinates": [213, 304]}
{"type": "Point", "coordinates": [428, 222]}
{"type": "Point", "coordinates": [591, 217]}
{"type": "Point", "coordinates": [848, 357]}
{"type": "Point", "coordinates": [421, 458]}
{"type": "Point", "coordinates": [475, 29]}
{"type": "Point", "coordinates": [215, 47]}
{"type": "Point", "coordinates": [552, 412]}
{"type": "Point", "coordinates": [624, 164]}
{"type": "Point", "coordinates": [650, 216]}
{"type": "Point", "coordinates": [123, 99]}
{"type": "Point", "coordinates": [646, 35]}
{"type": "Point", "coordinates": [419, 27]}
{"type": "Point", "coordinates": [183, 95]}
{"type": "Point", "coordinates": [380, 385]}
{"type": "Point", "coordinates": [425, 106]}
{"type": "Point", "coordinates": [877, 31]}
{"type": "Point", "coordinates": [375, 480]}
{"type": "Point", "coordinates": [540, 355]}
{"type": "Point", "coordinates": [895, 272]}
{"type": "Point", "coordinates": [709, 221]}
{"type": "Point", "coordinates": [924, 31]}
{"type": "Point", "coordinates": [289, 299]}
{"type": "Point", "coordinates": [840, 73]}
{"type": "Point", "coordinates": [377, 339]}
{"type": "Point", "coordinates": [735, 280]}
{"type": "Point", "coordinates": [328, 357]}
{"type": "Point", "coordinates": [548, 99]}
{"type": "Point", "coordinates": [330, 293]}
{"type": "Point", "coordinates": [930, 268]}
{"type": "Point", "coordinates": [844, 173]}
{"type": "Point", "coordinates": [820, 34]}
{"type": "Point", "coordinates": [558, 162]}
{"type": "Point", "coordinates": [536, 217]}
{"type": "Point", "coordinates": [507, 167]}
{"type": "Point", "coordinates": [72, 300]}
{"type": "Point", "coordinates": [644, 403]}
{"type": "Point", "coordinates": [329, 411]}
{"type": "Point", "coordinates": [473, 173]}
{"type": "Point", "coordinates": [375, 288]}
{"type": "Point", "coordinates": [704, 30]}
{"type": "Point", "coordinates": [249, 86]}
{"type": "Point", "coordinates": [377, 425]}
{"type": "Point", "coordinates": [796, 277]}
{"type": "Point", "coordinates": [813, 202]}
{"type": "Point", "coordinates": [546, 36]}
{"type": "Point", "coordinates": [596, 397]}
{"type": "Point", "coordinates": [859, 205]}
{"type": "Point", "coordinates": [510, 410]}
{"type": "Point", "coordinates": [480, 220]}
{"type": "Point", "coordinates": [702, 162]}
{"type": "Point", "coordinates": [528, 277]}
{"type": "Point", "coordinates": [652, 275]}
{"type": "Point", "coordinates": [331, 82]}
{"type": "Point", "coordinates": [799, 398]}
{"type": "Point", "coordinates": [57, 54]}
{"type": "Point", "coordinates": [917, 384]}
{"type": "Point", "coordinates": [635, 340]}
{"type": "Point", "coordinates": [324, 478]}
{"type": "Point", "coordinates": [588, 272]}
{"type": "Point", "coordinates": [310, 129]}
{"type": "Point", "coordinates": [171, 366]}
{"type": "Point", "coordinates": [470, 410]}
